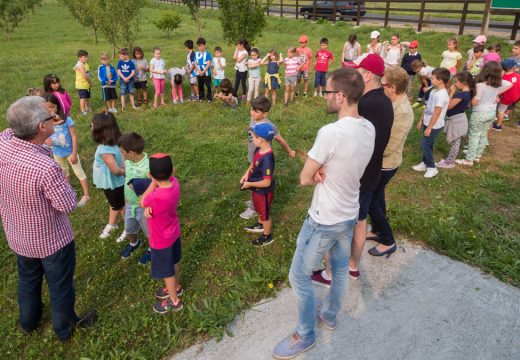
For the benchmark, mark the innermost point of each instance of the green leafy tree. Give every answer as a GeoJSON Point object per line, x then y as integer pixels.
{"type": "Point", "coordinates": [14, 12]}
{"type": "Point", "coordinates": [194, 6]}
{"type": "Point", "coordinates": [168, 22]}
{"type": "Point", "coordinates": [84, 11]}
{"type": "Point", "coordinates": [242, 19]}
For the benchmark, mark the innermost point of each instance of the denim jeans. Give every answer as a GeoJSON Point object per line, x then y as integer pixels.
{"type": "Point", "coordinates": [377, 210]}
{"type": "Point", "coordinates": [314, 241]}
{"type": "Point", "coordinates": [58, 269]}
{"type": "Point", "coordinates": [427, 143]}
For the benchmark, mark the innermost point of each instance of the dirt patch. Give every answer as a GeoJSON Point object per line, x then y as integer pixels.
{"type": "Point", "coordinates": [503, 145]}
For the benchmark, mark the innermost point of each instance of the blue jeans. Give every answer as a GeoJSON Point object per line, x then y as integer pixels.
{"type": "Point", "coordinates": [58, 269]}
{"type": "Point", "coordinates": [427, 143]}
{"type": "Point", "coordinates": [377, 210]}
{"type": "Point", "coordinates": [314, 241]}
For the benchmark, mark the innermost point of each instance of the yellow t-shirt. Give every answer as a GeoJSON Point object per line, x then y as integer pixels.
{"type": "Point", "coordinates": [81, 82]}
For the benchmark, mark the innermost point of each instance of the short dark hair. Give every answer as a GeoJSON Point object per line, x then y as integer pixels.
{"type": "Point", "coordinates": [417, 63]}
{"type": "Point", "coordinates": [442, 74]}
{"type": "Point", "coordinates": [161, 166]}
{"type": "Point", "coordinates": [201, 41]}
{"type": "Point", "coordinates": [189, 44]}
{"type": "Point", "coordinates": [131, 142]}
{"type": "Point", "coordinates": [82, 53]}
{"type": "Point", "coordinates": [478, 48]}
{"type": "Point", "coordinates": [517, 43]}
{"type": "Point", "coordinates": [495, 47]}
{"type": "Point", "coordinates": [54, 100]}
{"type": "Point", "coordinates": [218, 48]}
{"type": "Point", "coordinates": [225, 86]}
{"type": "Point", "coordinates": [136, 50]}
{"type": "Point", "coordinates": [104, 129]}
{"type": "Point", "coordinates": [177, 79]}
{"type": "Point", "coordinates": [255, 50]}
{"type": "Point", "coordinates": [349, 82]}
{"type": "Point", "coordinates": [324, 41]}
{"type": "Point", "coordinates": [123, 51]}
{"type": "Point", "coordinates": [261, 103]}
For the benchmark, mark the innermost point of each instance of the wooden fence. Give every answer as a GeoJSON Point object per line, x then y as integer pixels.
{"type": "Point", "coordinates": [417, 12]}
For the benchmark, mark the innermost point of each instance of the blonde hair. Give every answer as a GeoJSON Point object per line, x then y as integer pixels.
{"type": "Point", "coordinates": [292, 50]}
{"type": "Point", "coordinates": [104, 55]}
{"type": "Point", "coordinates": [455, 43]}
{"type": "Point", "coordinates": [35, 92]}
{"type": "Point", "coordinates": [398, 77]}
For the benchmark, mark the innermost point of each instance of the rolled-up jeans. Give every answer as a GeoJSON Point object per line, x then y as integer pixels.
{"type": "Point", "coordinates": [427, 143]}
{"type": "Point", "coordinates": [314, 241]}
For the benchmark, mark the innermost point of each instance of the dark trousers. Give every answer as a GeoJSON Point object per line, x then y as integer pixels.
{"type": "Point", "coordinates": [201, 81]}
{"type": "Point", "coordinates": [424, 96]}
{"type": "Point", "coordinates": [377, 210]}
{"type": "Point", "coordinates": [427, 143]}
{"type": "Point", "coordinates": [240, 77]}
{"type": "Point", "coordinates": [58, 269]}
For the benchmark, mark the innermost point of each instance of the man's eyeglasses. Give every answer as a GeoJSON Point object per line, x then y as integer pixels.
{"type": "Point", "coordinates": [325, 92]}
{"type": "Point", "coordinates": [51, 117]}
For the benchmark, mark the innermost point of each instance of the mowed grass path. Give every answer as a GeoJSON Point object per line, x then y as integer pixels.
{"type": "Point", "coordinates": [470, 215]}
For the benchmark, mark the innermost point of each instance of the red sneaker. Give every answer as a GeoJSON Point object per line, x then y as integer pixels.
{"type": "Point", "coordinates": [318, 279]}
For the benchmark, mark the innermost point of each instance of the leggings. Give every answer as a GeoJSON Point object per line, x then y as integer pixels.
{"type": "Point", "coordinates": [254, 87]}
{"type": "Point", "coordinates": [159, 86]}
{"type": "Point", "coordinates": [454, 151]}
{"type": "Point", "coordinates": [240, 77]}
{"type": "Point", "coordinates": [177, 92]}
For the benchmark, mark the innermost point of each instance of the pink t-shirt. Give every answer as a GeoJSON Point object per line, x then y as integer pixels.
{"type": "Point", "coordinates": [305, 55]}
{"type": "Point", "coordinates": [322, 60]}
{"type": "Point", "coordinates": [164, 224]}
{"type": "Point", "coordinates": [291, 66]}
{"type": "Point", "coordinates": [492, 57]}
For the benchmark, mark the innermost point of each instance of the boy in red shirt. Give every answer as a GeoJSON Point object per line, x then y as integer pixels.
{"type": "Point", "coordinates": [305, 54]}
{"type": "Point", "coordinates": [509, 97]}
{"type": "Point", "coordinates": [323, 59]}
{"type": "Point", "coordinates": [160, 202]}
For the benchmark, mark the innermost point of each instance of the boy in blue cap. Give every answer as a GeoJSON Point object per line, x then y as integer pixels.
{"type": "Point", "coordinates": [259, 179]}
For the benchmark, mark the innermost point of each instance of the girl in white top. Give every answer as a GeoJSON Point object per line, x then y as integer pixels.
{"type": "Point", "coordinates": [489, 86]}
{"type": "Point", "coordinates": [157, 71]}
{"type": "Point", "coordinates": [240, 56]}
{"type": "Point", "coordinates": [254, 75]}
{"type": "Point", "coordinates": [351, 49]}
{"type": "Point", "coordinates": [451, 58]}
{"type": "Point", "coordinates": [393, 53]}
{"type": "Point", "coordinates": [375, 46]}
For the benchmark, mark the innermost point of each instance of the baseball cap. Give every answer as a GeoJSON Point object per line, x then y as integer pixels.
{"type": "Point", "coordinates": [481, 39]}
{"type": "Point", "coordinates": [263, 130]}
{"type": "Point", "coordinates": [161, 166]}
{"type": "Point", "coordinates": [414, 44]}
{"type": "Point", "coordinates": [303, 38]}
{"type": "Point", "coordinates": [508, 64]}
{"type": "Point", "coordinates": [370, 62]}
{"type": "Point", "coordinates": [374, 34]}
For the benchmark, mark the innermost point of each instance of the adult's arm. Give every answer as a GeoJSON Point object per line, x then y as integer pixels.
{"type": "Point", "coordinates": [310, 168]}
{"type": "Point", "coordinates": [58, 191]}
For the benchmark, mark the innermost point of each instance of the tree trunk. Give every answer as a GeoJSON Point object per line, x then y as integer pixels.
{"type": "Point", "coordinates": [197, 20]}
{"type": "Point", "coordinates": [95, 34]}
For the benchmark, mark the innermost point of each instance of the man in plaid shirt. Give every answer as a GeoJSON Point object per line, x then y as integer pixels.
{"type": "Point", "coordinates": [35, 199]}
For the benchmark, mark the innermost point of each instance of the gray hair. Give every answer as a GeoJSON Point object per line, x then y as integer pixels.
{"type": "Point", "coordinates": [24, 116]}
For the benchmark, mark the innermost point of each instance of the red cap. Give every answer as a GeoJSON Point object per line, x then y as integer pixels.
{"type": "Point", "coordinates": [303, 38]}
{"type": "Point", "coordinates": [414, 43]}
{"type": "Point", "coordinates": [371, 62]}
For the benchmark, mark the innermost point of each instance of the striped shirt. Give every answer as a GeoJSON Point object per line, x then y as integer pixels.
{"type": "Point", "coordinates": [35, 198]}
{"type": "Point", "coordinates": [291, 66]}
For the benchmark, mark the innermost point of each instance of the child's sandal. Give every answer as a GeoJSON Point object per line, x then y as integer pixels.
{"type": "Point", "coordinates": [464, 162]}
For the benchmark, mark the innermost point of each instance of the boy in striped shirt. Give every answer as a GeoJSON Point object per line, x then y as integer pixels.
{"type": "Point", "coordinates": [292, 68]}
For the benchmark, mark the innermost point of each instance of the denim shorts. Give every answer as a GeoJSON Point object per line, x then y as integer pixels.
{"type": "Point", "coordinates": [163, 260]}
{"type": "Point", "coordinates": [126, 88]}
{"type": "Point", "coordinates": [136, 222]}
{"type": "Point", "coordinates": [303, 74]}
{"type": "Point", "coordinates": [320, 79]}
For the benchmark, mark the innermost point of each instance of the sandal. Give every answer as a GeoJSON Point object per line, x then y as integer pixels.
{"type": "Point", "coordinates": [464, 162]}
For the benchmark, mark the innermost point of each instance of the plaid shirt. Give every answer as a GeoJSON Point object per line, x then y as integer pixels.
{"type": "Point", "coordinates": [35, 198]}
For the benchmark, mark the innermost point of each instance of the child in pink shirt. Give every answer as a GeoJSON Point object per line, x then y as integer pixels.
{"type": "Point", "coordinates": [160, 202]}
{"type": "Point", "coordinates": [323, 59]}
{"type": "Point", "coordinates": [305, 55]}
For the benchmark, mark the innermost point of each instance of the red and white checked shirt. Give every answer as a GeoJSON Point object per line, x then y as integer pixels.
{"type": "Point", "coordinates": [35, 198]}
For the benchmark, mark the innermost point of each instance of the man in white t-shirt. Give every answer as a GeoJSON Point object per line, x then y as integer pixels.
{"type": "Point", "coordinates": [334, 165]}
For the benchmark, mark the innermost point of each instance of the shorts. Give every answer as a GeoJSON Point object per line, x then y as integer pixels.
{"type": "Point", "coordinates": [303, 74]}
{"type": "Point", "coordinates": [109, 93]}
{"type": "Point", "coordinates": [216, 82]}
{"type": "Point", "coordinates": [502, 107]}
{"type": "Point", "coordinates": [84, 93]}
{"type": "Point", "coordinates": [512, 106]}
{"type": "Point", "coordinates": [163, 260]}
{"type": "Point", "coordinates": [262, 204]}
{"type": "Point", "coordinates": [115, 197]}
{"type": "Point", "coordinates": [141, 84]}
{"type": "Point", "coordinates": [290, 80]}
{"type": "Point", "coordinates": [365, 198]}
{"type": "Point", "coordinates": [126, 88]}
{"type": "Point", "coordinates": [320, 79]}
{"type": "Point", "coordinates": [193, 80]}
{"type": "Point", "coordinates": [134, 223]}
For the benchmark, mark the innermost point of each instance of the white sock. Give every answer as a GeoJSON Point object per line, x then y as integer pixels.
{"type": "Point", "coordinates": [325, 275]}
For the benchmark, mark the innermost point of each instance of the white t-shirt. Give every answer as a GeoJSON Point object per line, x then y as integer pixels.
{"type": "Point", "coordinates": [219, 70]}
{"type": "Point", "coordinates": [426, 71]}
{"type": "Point", "coordinates": [392, 56]}
{"type": "Point", "coordinates": [242, 65]}
{"type": "Point", "coordinates": [438, 98]}
{"type": "Point", "coordinates": [351, 51]}
{"type": "Point", "coordinates": [158, 64]}
{"type": "Point", "coordinates": [344, 148]}
{"type": "Point", "coordinates": [487, 96]}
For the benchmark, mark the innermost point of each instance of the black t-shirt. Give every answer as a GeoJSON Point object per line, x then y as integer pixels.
{"type": "Point", "coordinates": [263, 168]}
{"type": "Point", "coordinates": [465, 98]}
{"type": "Point", "coordinates": [376, 108]}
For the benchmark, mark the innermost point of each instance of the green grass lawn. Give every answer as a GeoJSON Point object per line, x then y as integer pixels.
{"type": "Point", "coordinates": [470, 215]}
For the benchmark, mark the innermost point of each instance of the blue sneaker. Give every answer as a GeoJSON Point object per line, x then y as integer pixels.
{"type": "Point", "coordinates": [145, 258]}
{"type": "Point", "coordinates": [329, 324]}
{"type": "Point", "coordinates": [292, 346]}
{"type": "Point", "coordinates": [129, 249]}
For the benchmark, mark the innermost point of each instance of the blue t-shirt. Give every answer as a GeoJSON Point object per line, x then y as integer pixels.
{"type": "Point", "coordinates": [126, 68]}
{"type": "Point", "coordinates": [263, 168]}
{"type": "Point", "coordinates": [101, 175]}
{"type": "Point", "coordinates": [61, 139]}
{"type": "Point", "coordinates": [201, 59]}
{"type": "Point", "coordinates": [465, 98]}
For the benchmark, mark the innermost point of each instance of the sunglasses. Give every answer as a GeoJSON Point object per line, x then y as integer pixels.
{"type": "Point", "coordinates": [325, 92]}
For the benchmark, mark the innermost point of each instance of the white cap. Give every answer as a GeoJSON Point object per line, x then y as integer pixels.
{"type": "Point", "coordinates": [374, 34]}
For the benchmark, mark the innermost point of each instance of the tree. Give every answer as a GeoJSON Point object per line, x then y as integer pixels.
{"type": "Point", "coordinates": [242, 19]}
{"type": "Point", "coordinates": [168, 22]}
{"type": "Point", "coordinates": [84, 13]}
{"type": "Point", "coordinates": [14, 12]}
{"type": "Point", "coordinates": [194, 6]}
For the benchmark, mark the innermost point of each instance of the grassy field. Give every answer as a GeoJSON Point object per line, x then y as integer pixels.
{"type": "Point", "coordinates": [470, 215]}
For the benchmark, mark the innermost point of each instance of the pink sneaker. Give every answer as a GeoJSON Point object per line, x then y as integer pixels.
{"type": "Point", "coordinates": [443, 164]}
{"type": "Point", "coordinates": [318, 279]}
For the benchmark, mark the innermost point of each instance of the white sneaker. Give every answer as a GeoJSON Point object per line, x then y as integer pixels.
{"type": "Point", "coordinates": [248, 213]}
{"type": "Point", "coordinates": [315, 93]}
{"type": "Point", "coordinates": [107, 231]}
{"type": "Point", "coordinates": [249, 203]}
{"type": "Point", "coordinates": [419, 167]}
{"type": "Point", "coordinates": [121, 237]}
{"type": "Point", "coordinates": [431, 172]}
{"type": "Point", "coordinates": [83, 201]}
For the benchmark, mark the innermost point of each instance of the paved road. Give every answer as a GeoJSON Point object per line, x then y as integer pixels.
{"type": "Point", "coordinates": [415, 305]}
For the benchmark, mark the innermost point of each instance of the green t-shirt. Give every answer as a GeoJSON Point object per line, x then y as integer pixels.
{"type": "Point", "coordinates": [135, 170]}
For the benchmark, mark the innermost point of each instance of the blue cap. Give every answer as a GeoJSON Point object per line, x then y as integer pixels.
{"type": "Point", "coordinates": [508, 64]}
{"type": "Point", "coordinates": [263, 130]}
{"type": "Point", "coordinates": [139, 185]}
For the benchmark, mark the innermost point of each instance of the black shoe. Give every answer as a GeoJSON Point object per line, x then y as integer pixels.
{"type": "Point", "coordinates": [297, 93]}
{"type": "Point", "coordinates": [87, 320]}
{"type": "Point", "coordinates": [262, 240]}
{"type": "Point", "coordinates": [256, 228]}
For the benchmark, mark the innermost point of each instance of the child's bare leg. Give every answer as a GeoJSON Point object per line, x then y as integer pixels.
{"type": "Point", "coordinates": [162, 99]}
{"type": "Point", "coordinates": [112, 216]}
{"type": "Point", "coordinates": [177, 277]}
{"type": "Point", "coordinates": [84, 187]}
{"type": "Point", "coordinates": [267, 226]}
{"type": "Point", "coordinates": [286, 95]}
{"type": "Point", "coordinates": [291, 93]}
{"type": "Point", "coordinates": [123, 101]}
{"type": "Point", "coordinates": [305, 85]}
{"type": "Point", "coordinates": [500, 118]}
{"type": "Point", "coordinates": [87, 105]}
{"type": "Point", "coordinates": [132, 100]}
{"type": "Point", "coordinates": [298, 84]}
{"type": "Point", "coordinates": [172, 291]}
{"type": "Point", "coordinates": [273, 96]}
{"type": "Point", "coordinates": [109, 104]}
